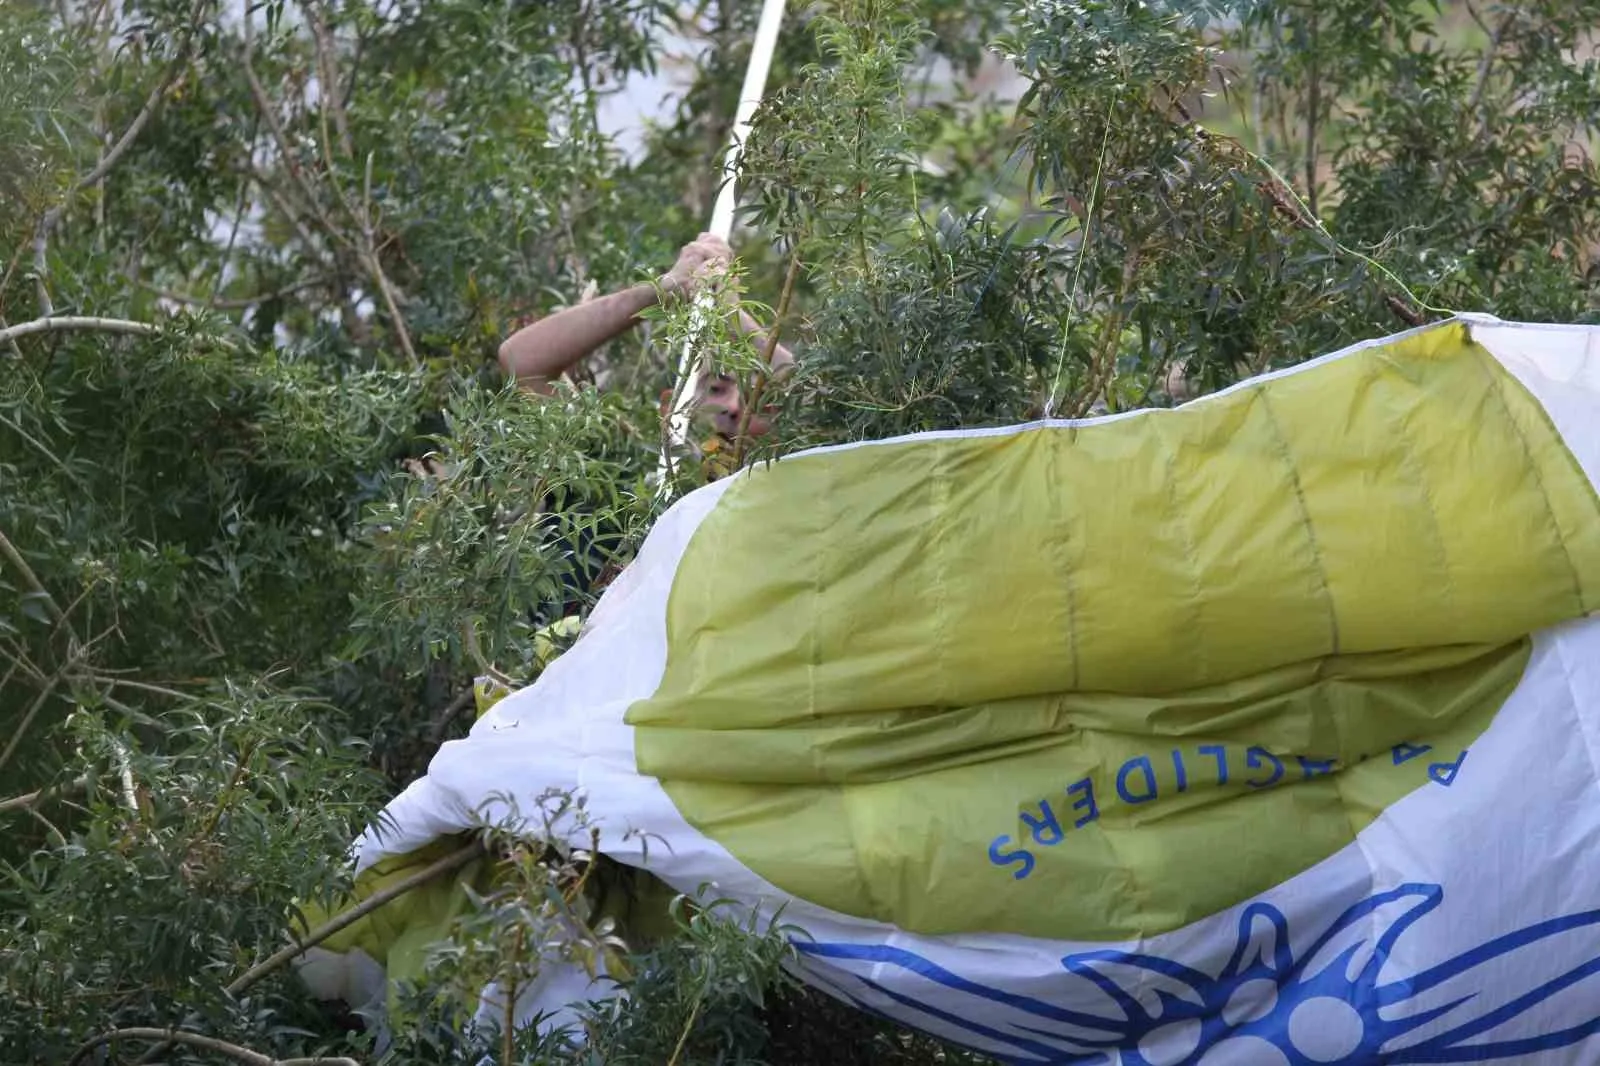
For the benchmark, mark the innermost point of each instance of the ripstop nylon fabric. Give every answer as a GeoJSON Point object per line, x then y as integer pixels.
{"type": "Point", "coordinates": [1372, 612]}
{"type": "Point", "coordinates": [1033, 684]}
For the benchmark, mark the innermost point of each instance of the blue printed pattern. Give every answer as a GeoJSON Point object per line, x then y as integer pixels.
{"type": "Point", "coordinates": [1505, 999]}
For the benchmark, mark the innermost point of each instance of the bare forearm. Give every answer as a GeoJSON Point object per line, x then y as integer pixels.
{"type": "Point", "coordinates": [782, 358]}
{"type": "Point", "coordinates": [538, 354]}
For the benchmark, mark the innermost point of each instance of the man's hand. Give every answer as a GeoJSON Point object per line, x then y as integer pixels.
{"type": "Point", "coordinates": [700, 260]}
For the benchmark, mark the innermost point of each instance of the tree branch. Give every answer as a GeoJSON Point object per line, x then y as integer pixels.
{"type": "Point", "coordinates": [366, 248]}
{"type": "Point", "coordinates": [1491, 50]}
{"type": "Point", "coordinates": [9, 550]}
{"type": "Point", "coordinates": [1313, 115]}
{"type": "Point", "coordinates": [447, 714]}
{"type": "Point", "coordinates": [332, 95]}
{"type": "Point", "coordinates": [450, 863]}
{"type": "Point", "coordinates": [237, 303]}
{"type": "Point", "coordinates": [206, 1043]}
{"type": "Point", "coordinates": [32, 799]}
{"type": "Point", "coordinates": [27, 718]}
{"type": "Point", "coordinates": [759, 392]}
{"type": "Point", "coordinates": [279, 136]}
{"type": "Point", "coordinates": [52, 217]}
{"type": "Point", "coordinates": [59, 323]}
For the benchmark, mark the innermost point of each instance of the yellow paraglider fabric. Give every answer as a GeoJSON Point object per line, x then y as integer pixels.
{"type": "Point", "coordinates": [1204, 643]}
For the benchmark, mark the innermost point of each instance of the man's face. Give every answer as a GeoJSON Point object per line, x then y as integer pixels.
{"type": "Point", "coordinates": [724, 407]}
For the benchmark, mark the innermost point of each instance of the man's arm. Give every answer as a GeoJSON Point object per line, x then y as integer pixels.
{"type": "Point", "coordinates": [782, 358]}
{"type": "Point", "coordinates": [536, 355]}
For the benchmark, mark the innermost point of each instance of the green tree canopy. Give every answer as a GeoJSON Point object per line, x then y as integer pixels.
{"type": "Point", "coordinates": [258, 259]}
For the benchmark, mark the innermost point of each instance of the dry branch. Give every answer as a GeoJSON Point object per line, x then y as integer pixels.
{"type": "Point", "coordinates": [52, 217]}
{"type": "Point", "coordinates": [9, 550]}
{"type": "Point", "coordinates": [238, 303]}
{"type": "Point", "coordinates": [206, 1043]}
{"type": "Point", "coordinates": [365, 247]}
{"type": "Point", "coordinates": [59, 323]}
{"type": "Point", "coordinates": [450, 863]}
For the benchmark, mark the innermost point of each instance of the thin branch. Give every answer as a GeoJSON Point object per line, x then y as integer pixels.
{"type": "Point", "coordinates": [289, 210]}
{"type": "Point", "coordinates": [688, 1027]}
{"type": "Point", "coordinates": [508, 1029]}
{"type": "Point", "coordinates": [1104, 363]}
{"type": "Point", "coordinates": [19, 660]}
{"type": "Point", "coordinates": [759, 392]}
{"type": "Point", "coordinates": [1491, 51]}
{"type": "Point", "coordinates": [144, 686]}
{"type": "Point", "coordinates": [58, 323]}
{"type": "Point", "coordinates": [16, 353]}
{"type": "Point", "coordinates": [9, 550]}
{"type": "Point", "coordinates": [366, 249]}
{"type": "Point", "coordinates": [92, 323]}
{"type": "Point", "coordinates": [332, 96]}
{"type": "Point", "coordinates": [22, 802]}
{"type": "Point", "coordinates": [205, 1043]}
{"type": "Point", "coordinates": [27, 718]}
{"type": "Point", "coordinates": [52, 217]}
{"type": "Point", "coordinates": [447, 714]}
{"type": "Point", "coordinates": [237, 303]}
{"type": "Point", "coordinates": [384, 287]}
{"type": "Point", "coordinates": [275, 127]}
{"type": "Point", "coordinates": [238, 217]}
{"type": "Point", "coordinates": [32, 799]}
{"type": "Point", "coordinates": [1313, 115]}
{"type": "Point", "coordinates": [450, 863]}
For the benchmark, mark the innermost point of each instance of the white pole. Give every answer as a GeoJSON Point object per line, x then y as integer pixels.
{"type": "Point", "coordinates": [687, 383]}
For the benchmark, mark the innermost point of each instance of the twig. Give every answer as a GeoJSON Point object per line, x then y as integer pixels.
{"type": "Point", "coordinates": [1486, 64]}
{"type": "Point", "coordinates": [52, 217]}
{"type": "Point", "coordinates": [226, 795]}
{"type": "Point", "coordinates": [366, 250]}
{"type": "Point", "coordinates": [454, 861]}
{"type": "Point", "coordinates": [447, 714]}
{"type": "Point", "coordinates": [9, 550]}
{"type": "Point", "coordinates": [289, 211]}
{"type": "Point", "coordinates": [450, 863]}
{"type": "Point", "coordinates": [144, 686]}
{"type": "Point", "coordinates": [572, 894]}
{"type": "Point", "coordinates": [58, 323]}
{"type": "Point", "coordinates": [1104, 364]}
{"type": "Point", "coordinates": [469, 641]}
{"type": "Point", "coordinates": [238, 217]}
{"type": "Point", "coordinates": [1277, 191]}
{"type": "Point", "coordinates": [27, 718]}
{"type": "Point", "coordinates": [237, 303]}
{"type": "Point", "coordinates": [207, 1043]}
{"type": "Point", "coordinates": [688, 1028]}
{"type": "Point", "coordinates": [508, 1031]}
{"type": "Point", "coordinates": [16, 353]}
{"type": "Point", "coordinates": [759, 392]}
{"type": "Point", "coordinates": [94, 323]}
{"type": "Point", "coordinates": [376, 267]}
{"type": "Point", "coordinates": [29, 800]}
{"type": "Point", "coordinates": [1313, 106]}
{"type": "Point", "coordinates": [275, 127]}
{"type": "Point", "coordinates": [331, 95]}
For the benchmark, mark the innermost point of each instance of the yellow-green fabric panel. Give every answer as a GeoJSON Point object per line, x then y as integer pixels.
{"type": "Point", "coordinates": [870, 649]}
{"type": "Point", "coordinates": [914, 847]}
{"type": "Point", "coordinates": [398, 934]}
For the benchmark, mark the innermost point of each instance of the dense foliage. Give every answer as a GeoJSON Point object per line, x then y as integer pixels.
{"type": "Point", "coordinates": [256, 265]}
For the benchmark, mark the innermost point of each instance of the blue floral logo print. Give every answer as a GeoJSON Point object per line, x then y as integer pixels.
{"type": "Point", "coordinates": [1338, 1001]}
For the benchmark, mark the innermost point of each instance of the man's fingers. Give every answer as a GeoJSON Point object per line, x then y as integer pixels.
{"type": "Point", "coordinates": [715, 243]}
